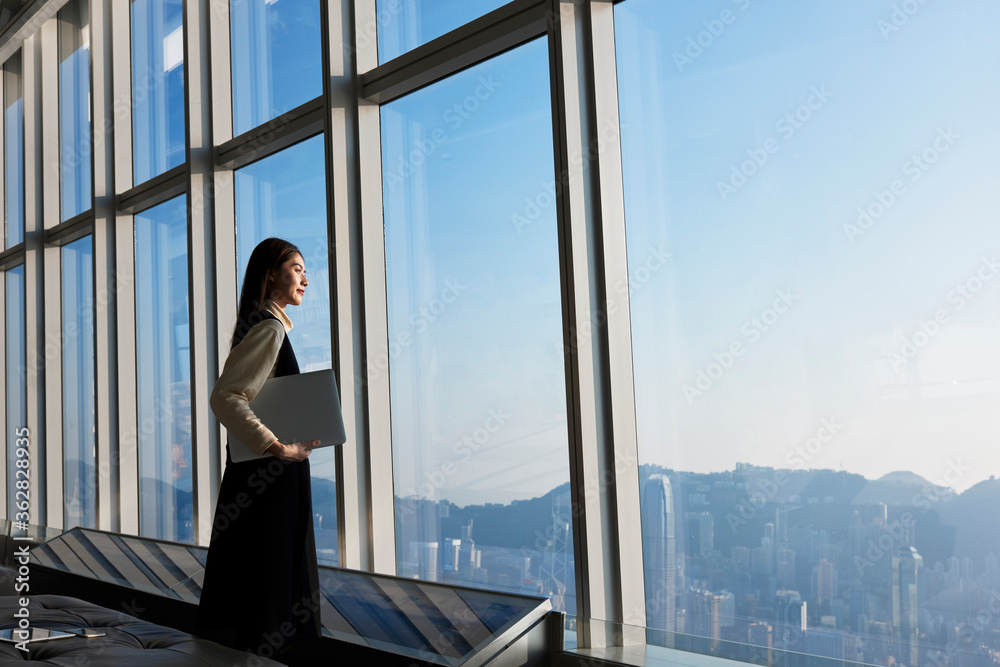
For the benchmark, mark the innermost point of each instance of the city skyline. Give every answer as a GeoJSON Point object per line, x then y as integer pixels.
{"type": "Point", "coordinates": [819, 562]}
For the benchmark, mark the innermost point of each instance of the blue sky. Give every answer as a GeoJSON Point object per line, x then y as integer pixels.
{"type": "Point", "coordinates": [889, 94]}
{"type": "Point", "coordinates": [406, 24]}
{"type": "Point", "coordinates": [834, 102]}
{"type": "Point", "coordinates": [460, 160]}
{"type": "Point", "coordinates": [474, 304]}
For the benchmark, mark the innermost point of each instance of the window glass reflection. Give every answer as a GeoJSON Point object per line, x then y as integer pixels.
{"type": "Point", "coordinates": [74, 107]}
{"type": "Point", "coordinates": [17, 417]}
{"type": "Point", "coordinates": [164, 370]}
{"type": "Point", "coordinates": [13, 127]}
{"type": "Point", "coordinates": [277, 64]}
{"type": "Point", "coordinates": [475, 354]}
{"type": "Point", "coordinates": [9, 10]}
{"type": "Point", "coordinates": [157, 87]}
{"type": "Point", "coordinates": [407, 24]}
{"type": "Point", "coordinates": [79, 455]}
{"type": "Point", "coordinates": [810, 232]}
{"type": "Point", "coordinates": [284, 195]}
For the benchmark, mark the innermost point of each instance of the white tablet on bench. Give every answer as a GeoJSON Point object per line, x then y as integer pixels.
{"type": "Point", "coordinates": [297, 408]}
{"type": "Point", "coordinates": [31, 635]}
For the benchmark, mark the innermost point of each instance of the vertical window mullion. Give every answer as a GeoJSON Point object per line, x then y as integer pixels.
{"type": "Point", "coordinates": [602, 444]}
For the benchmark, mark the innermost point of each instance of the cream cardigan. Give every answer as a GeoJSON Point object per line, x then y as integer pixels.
{"type": "Point", "coordinates": [249, 364]}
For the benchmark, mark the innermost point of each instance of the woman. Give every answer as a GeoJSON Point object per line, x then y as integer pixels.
{"type": "Point", "coordinates": [261, 588]}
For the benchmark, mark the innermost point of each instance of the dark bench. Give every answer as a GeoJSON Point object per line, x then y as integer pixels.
{"type": "Point", "coordinates": [129, 642]}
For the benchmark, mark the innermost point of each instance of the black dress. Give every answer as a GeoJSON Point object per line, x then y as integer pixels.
{"type": "Point", "coordinates": [261, 586]}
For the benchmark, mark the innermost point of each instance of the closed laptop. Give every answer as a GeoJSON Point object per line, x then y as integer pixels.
{"type": "Point", "coordinates": [297, 408]}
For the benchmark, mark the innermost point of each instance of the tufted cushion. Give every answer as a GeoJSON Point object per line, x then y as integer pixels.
{"type": "Point", "coordinates": [7, 577]}
{"type": "Point", "coordinates": [129, 642]}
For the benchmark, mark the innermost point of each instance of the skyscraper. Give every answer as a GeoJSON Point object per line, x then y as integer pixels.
{"type": "Point", "coordinates": [906, 566]}
{"type": "Point", "coordinates": [659, 544]}
{"type": "Point", "coordinates": [786, 569]}
{"type": "Point", "coordinates": [425, 555]}
{"type": "Point", "coordinates": [824, 581]}
{"type": "Point", "coordinates": [700, 530]}
{"type": "Point", "coordinates": [706, 617]}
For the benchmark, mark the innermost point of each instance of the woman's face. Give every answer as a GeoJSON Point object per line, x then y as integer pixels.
{"type": "Point", "coordinates": [289, 284]}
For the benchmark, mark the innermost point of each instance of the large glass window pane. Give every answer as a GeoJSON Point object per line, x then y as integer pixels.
{"type": "Point", "coordinates": [284, 195]}
{"type": "Point", "coordinates": [475, 359]}
{"type": "Point", "coordinates": [157, 87]}
{"type": "Point", "coordinates": [277, 64]}
{"type": "Point", "coordinates": [406, 24]}
{"type": "Point", "coordinates": [164, 369]}
{"type": "Point", "coordinates": [17, 416]}
{"type": "Point", "coordinates": [74, 107]}
{"type": "Point", "coordinates": [812, 229]}
{"type": "Point", "coordinates": [13, 127]}
{"type": "Point", "coordinates": [79, 455]}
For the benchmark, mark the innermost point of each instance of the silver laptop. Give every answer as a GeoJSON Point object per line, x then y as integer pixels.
{"type": "Point", "coordinates": [31, 635]}
{"type": "Point", "coordinates": [297, 408]}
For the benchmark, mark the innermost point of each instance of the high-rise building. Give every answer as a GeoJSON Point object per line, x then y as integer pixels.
{"type": "Point", "coordinates": [791, 614]}
{"type": "Point", "coordinates": [824, 581]}
{"type": "Point", "coordinates": [786, 568]}
{"type": "Point", "coordinates": [759, 635]}
{"type": "Point", "coordinates": [825, 643]}
{"type": "Point", "coordinates": [966, 568]}
{"type": "Point", "coordinates": [992, 565]}
{"type": "Point", "coordinates": [425, 554]}
{"type": "Point", "coordinates": [701, 533]}
{"type": "Point", "coordinates": [760, 561]}
{"type": "Point", "coordinates": [740, 557]}
{"type": "Point", "coordinates": [659, 552]}
{"type": "Point", "coordinates": [706, 617]}
{"type": "Point", "coordinates": [906, 566]}
{"type": "Point", "coordinates": [450, 551]}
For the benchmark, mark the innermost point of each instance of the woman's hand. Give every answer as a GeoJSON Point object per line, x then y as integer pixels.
{"type": "Point", "coordinates": [292, 452]}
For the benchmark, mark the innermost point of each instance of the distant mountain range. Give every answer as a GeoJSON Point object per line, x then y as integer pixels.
{"type": "Point", "coordinates": [975, 514]}
{"type": "Point", "coordinates": [947, 524]}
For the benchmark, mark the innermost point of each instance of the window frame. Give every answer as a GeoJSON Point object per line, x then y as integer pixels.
{"type": "Point", "coordinates": [600, 401]}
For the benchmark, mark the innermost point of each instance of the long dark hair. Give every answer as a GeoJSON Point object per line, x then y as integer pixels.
{"type": "Point", "coordinates": [265, 260]}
